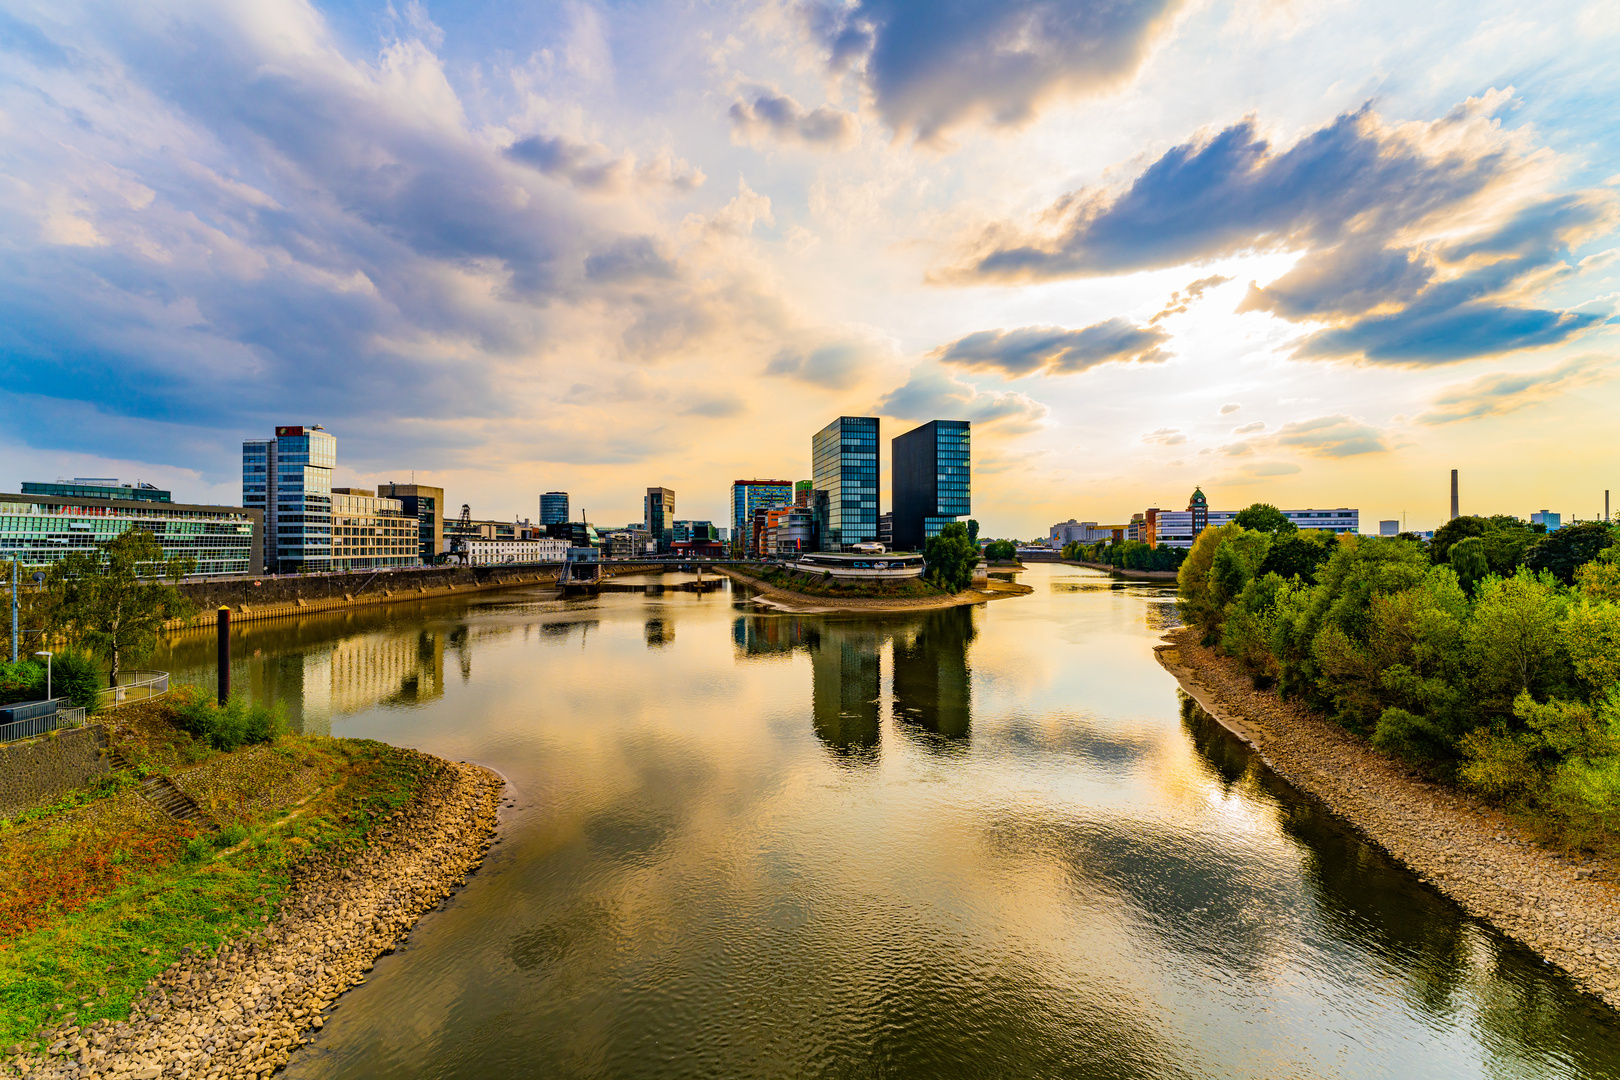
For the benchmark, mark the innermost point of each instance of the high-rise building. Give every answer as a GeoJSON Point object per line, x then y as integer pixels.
{"type": "Point", "coordinates": [369, 532]}
{"type": "Point", "coordinates": [426, 505]}
{"type": "Point", "coordinates": [98, 487]}
{"type": "Point", "coordinates": [804, 492]}
{"type": "Point", "coordinates": [553, 507]}
{"type": "Point", "coordinates": [1548, 518]}
{"type": "Point", "coordinates": [1198, 507]}
{"type": "Point", "coordinates": [748, 496]}
{"type": "Point", "coordinates": [686, 531]}
{"type": "Point", "coordinates": [844, 467]}
{"type": "Point", "coordinates": [658, 514]}
{"type": "Point", "coordinates": [289, 478]}
{"type": "Point", "coordinates": [932, 480]}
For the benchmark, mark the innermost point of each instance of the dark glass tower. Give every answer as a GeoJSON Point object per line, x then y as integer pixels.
{"type": "Point", "coordinates": [844, 466]}
{"type": "Point", "coordinates": [932, 480]}
{"type": "Point", "coordinates": [554, 508]}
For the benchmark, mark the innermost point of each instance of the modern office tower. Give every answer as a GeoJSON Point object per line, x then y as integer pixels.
{"type": "Point", "coordinates": [553, 507]}
{"type": "Point", "coordinates": [932, 467]}
{"type": "Point", "coordinates": [1389, 528]}
{"type": "Point", "coordinates": [426, 505]}
{"type": "Point", "coordinates": [38, 530]}
{"type": "Point", "coordinates": [98, 487]}
{"type": "Point", "coordinates": [748, 496]}
{"type": "Point", "coordinates": [804, 492]}
{"type": "Point", "coordinates": [371, 531]}
{"type": "Point", "coordinates": [844, 467]}
{"type": "Point", "coordinates": [686, 531]}
{"type": "Point", "coordinates": [1548, 518]}
{"type": "Point", "coordinates": [658, 514]}
{"type": "Point", "coordinates": [289, 478]}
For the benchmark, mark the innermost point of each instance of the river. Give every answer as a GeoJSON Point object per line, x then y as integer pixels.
{"type": "Point", "coordinates": [979, 842]}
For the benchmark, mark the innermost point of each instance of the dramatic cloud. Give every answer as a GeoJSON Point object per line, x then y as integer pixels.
{"type": "Point", "coordinates": [1052, 350]}
{"type": "Point", "coordinates": [931, 394]}
{"type": "Point", "coordinates": [593, 167]}
{"type": "Point", "coordinates": [931, 66]}
{"type": "Point", "coordinates": [767, 113]}
{"type": "Point", "coordinates": [1183, 299]}
{"type": "Point", "coordinates": [1395, 221]}
{"type": "Point", "coordinates": [1505, 392]}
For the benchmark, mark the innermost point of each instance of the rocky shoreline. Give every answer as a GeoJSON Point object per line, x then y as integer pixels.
{"type": "Point", "coordinates": [241, 1011]}
{"type": "Point", "coordinates": [803, 603]}
{"type": "Point", "coordinates": [1567, 911]}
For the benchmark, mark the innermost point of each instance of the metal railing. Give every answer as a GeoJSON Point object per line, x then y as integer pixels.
{"type": "Point", "coordinates": [41, 725]}
{"type": "Point", "coordinates": [135, 686]}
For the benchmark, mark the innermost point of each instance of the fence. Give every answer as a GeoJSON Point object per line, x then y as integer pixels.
{"type": "Point", "coordinates": [50, 717]}
{"type": "Point", "coordinates": [135, 686]}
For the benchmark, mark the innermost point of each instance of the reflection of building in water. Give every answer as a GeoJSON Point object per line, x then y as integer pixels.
{"type": "Point", "coordinates": [392, 668]}
{"type": "Point", "coordinates": [932, 682]}
{"type": "Point", "coordinates": [660, 632]}
{"type": "Point", "coordinates": [768, 636]}
{"type": "Point", "coordinates": [845, 686]}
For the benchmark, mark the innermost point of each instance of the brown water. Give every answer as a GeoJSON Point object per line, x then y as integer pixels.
{"type": "Point", "coordinates": [982, 842]}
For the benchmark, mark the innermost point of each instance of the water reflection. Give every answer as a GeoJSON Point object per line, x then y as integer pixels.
{"type": "Point", "coordinates": [932, 681]}
{"type": "Point", "coordinates": [845, 687]}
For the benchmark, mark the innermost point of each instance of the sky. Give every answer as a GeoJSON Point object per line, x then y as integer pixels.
{"type": "Point", "coordinates": [1312, 254]}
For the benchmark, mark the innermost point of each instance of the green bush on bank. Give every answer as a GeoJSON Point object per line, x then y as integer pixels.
{"type": "Point", "coordinates": [229, 727]}
{"type": "Point", "coordinates": [1491, 658]}
{"type": "Point", "coordinates": [73, 676]}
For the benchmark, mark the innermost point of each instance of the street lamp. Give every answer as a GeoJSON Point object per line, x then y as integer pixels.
{"type": "Point", "coordinates": [47, 657]}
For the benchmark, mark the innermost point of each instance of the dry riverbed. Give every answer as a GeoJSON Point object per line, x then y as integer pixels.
{"type": "Point", "coordinates": [240, 1011]}
{"type": "Point", "coordinates": [1566, 910]}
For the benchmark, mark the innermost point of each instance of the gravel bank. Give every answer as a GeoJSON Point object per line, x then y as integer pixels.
{"type": "Point", "coordinates": [803, 603]}
{"type": "Point", "coordinates": [1567, 911]}
{"type": "Point", "coordinates": [241, 1011]}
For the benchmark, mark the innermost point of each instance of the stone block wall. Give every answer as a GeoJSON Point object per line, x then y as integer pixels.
{"type": "Point", "coordinates": [36, 771]}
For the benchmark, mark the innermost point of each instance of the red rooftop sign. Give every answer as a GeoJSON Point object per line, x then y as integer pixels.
{"type": "Point", "coordinates": [289, 431]}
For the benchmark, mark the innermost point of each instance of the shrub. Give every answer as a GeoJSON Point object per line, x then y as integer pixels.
{"type": "Point", "coordinates": [77, 677]}
{"type": "Point", "coordinates": [22, 681]}
{"type": "Point", "coordinates": [230, 836]}
{"type": "Point", "coordinates": [232, 726]}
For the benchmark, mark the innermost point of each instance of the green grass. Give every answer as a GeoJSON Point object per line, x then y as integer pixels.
{"type": "Point", "coordinates": [120, 941]}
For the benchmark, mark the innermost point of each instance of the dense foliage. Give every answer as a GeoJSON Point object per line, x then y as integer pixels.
{"type": "Point", "coordinates": [951, 557]}
{"type": "Point", "coordinates": [1481, 666]}
{"type": "Point", "coordinates": [1129, 555]}
{"type": "Point", "coordinates": [1001, 551]}
{"type": "Point", "coordinates": [73, 676]}
{"type": "Point", "coordinates": [230, 726]}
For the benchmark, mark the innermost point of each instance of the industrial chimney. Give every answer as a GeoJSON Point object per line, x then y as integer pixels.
{"type": "Point", "coordinates": [1454, 514]}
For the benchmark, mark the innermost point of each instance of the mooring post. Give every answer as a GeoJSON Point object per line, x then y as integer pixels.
{"type": "Point", "coordinates": [224, 654]}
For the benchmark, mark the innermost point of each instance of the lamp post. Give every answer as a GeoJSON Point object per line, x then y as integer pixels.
{"type": "Point", "coordinates": [47, 657]}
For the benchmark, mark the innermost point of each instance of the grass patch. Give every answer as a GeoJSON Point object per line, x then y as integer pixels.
{"type": "Point", "coordinates": [819, 585]}
{"type": "Point", "coordinates": [111, 910]}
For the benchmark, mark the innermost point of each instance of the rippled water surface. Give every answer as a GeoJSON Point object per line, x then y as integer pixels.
{"type": "Point", "coordinates": [982, 842]}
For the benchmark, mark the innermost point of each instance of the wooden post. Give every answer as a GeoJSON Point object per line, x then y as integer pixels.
{"type": "Point", "coordinates": [224, 654]}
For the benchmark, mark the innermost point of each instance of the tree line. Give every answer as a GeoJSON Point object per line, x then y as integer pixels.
{"type": "Point", "coordinates": [1488, 657]}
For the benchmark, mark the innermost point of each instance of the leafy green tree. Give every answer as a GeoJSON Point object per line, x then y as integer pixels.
{"type": "Point", "coordinates": [1195, 597]}
{"type": "Point", "coordinates": [1458, 528]}
{"type": "Point", "coordinates": [951, 557]}
{"type": "Point", "coordinates": [998, 550]}
{"type": "Point", "coordinates": [1298, 554]}
{"type": "Point", "coordinates": [1263, 517]}
{"type": "Point", "coordinates": [1514, 640]}
{"type": "Point", "coordinates": [115, 599]}
{"type": "Point", "coordinates": [1467, 558]}
{"type": "Point", "coordinates": [973, 529]}
{"type": "Point", "coordinates": [77, 677]}
{"type": "Point", "coordinates": [1565, 550]}
{"type": "Point", "coordinates": [1237, 562]}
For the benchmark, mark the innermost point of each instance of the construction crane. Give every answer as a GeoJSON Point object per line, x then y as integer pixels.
{"type": "Point", "coordinates": [456, 552]}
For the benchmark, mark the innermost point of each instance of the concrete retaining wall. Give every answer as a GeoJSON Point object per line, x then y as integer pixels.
{"type": "Point", "coordinates": [37, 771]}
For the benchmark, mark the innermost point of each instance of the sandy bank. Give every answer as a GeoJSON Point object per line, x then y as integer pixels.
{"type": "Point", "coordinates": [241, 1011]}
{"type": "Point", "coordinates": [787, 600]}
{"type": "Point", "coordinates": [1567, 911]}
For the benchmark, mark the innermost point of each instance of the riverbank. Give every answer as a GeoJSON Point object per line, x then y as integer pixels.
{"type": "Point", "coordinates": [240, 1009]}
{"type": "Point", "coordinates": [788, 600]}
{"type": "Point", "coordinates": [1566, 910]}
{"type": "Point", "coordinates": [1131, 575]}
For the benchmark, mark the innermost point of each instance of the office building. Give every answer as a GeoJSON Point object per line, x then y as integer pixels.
{"type": "Point", "coordinates": [289, 479]}
{"type": "Point", "coordinates": [1179, 528]}
{"type": "Point", "coordinates": [579, 534]}
{"type": "Point", "coordinates": [1547, 518]}
{"type": "Point", "coordinates": [803, 492]}
{"type": "Point", "coordinates": [1389, 528]}
{"type": "Point", "coordinates": [748, 496]}
{"type": "Point", "coordinates": [1069, 532]}
{"type": "Point", "coordinates": [686, 531]}
{"type": "Point", "coordinates": [97, 487]}
{"type": "Point", "coordinates": [39, 530]}
{"type": "Point", "coordinates": [790, 531]}
{"type": "Point", "coordinates": [886, 529]}
{"type": "Point", "coordinates": [554, 507]}
{"type": "Point", "coordinates": [932, 483]}
{"type": "Point", "coordinates": [370, 532]}
{"type": "Point", "coordinates": [844, 468]}
{"type": "Point", "coordinates": [658, 514]}
{"type": "Point", "coordinates": [426, 505]}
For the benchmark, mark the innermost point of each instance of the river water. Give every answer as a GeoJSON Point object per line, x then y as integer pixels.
{"type": "Point", "coordinates": [980, 842]}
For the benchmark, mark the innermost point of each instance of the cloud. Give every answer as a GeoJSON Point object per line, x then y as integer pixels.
{"type": "Point", "coordinates": [1165, 436]}
{"type": "Point", "coordinates": [769, 113]}
{"type": "Point", "coordinates": [931, 67]}
{"type": "Point", "coordinates": [931, 394]}
{"type": "Point", "coordinates": [1506, 392]}
{"type": "Point", "coordinates": [1052, 350]}
{"type": "Point", "coordinates": [1422, 243]}
{"type": "Point", "coordinates": [592, 167]}
{"type": "Point", "coordinates": [1330, 436]}
{"type": "Point", "coordinates": [835, 367]}
{"type": "Point", "coordinates": [1250, 429]}
{"type": "Point", "coordinates": [1230, 407]}
{"type": "Point", "coordinates": [1262, 469]}
{"type": "Point", "coordinates": [1194, 292]}
{"type": "Point", "coordinates": [630, 258]}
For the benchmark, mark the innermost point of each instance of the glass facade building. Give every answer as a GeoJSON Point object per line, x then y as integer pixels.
{"type": "Point", "coordinates": [43, 529]}
{"type": "Point", "coordinates": [426, 505]}
{"type": "Point", "coordinates": [658, 514]}
{"type": "Point", "coordinates": [844, 469]}
{"type": "Point", "coordinates": [554, 508]}
{"type": "Point", "coordinates": [289, 478]}
{"type": "Point", "coordinates": [85, 487]}
{"type": "Point", "coordinates": [933, 467]}
{"type": "Point", "coordinates": [748, 496]}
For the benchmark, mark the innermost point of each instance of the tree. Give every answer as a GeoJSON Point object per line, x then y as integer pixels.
{"type": "Point", "coordinates": [1298, 554]}
{"type": "Point", "coordinates": [1263, 517]}
{"type": "Point", "coordinates": [1515, 640]}
{"type": "Point", "coordinates": [115, 600]}
{"type": "Point", "coordinates": [1195, 600]}
{"type": "Point", "coordinates": [1569, 548]}
{"type": "Point", "coordinates": [1458, 528]}
{"type": "Point", "coordinates": [973, 529]}
{"type": "Point", "coordinates": [999, 550]}
{"type": "Point", "coordinates": [951, 557]}
{"type": "Point", "coordinates": [1467, 557]}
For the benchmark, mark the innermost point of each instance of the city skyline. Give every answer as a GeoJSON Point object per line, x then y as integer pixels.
{"type": "Point", "coordinates": [589, 247]}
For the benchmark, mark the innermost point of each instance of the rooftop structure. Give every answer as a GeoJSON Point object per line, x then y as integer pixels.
{"type": "Point", "coordinates": [97, 487]}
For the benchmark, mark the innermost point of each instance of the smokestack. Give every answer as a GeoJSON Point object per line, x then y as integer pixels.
{"type": "Point", "coordinates": [1605, 504]}
{"type": "Point", "coordinates": [1454, 514]}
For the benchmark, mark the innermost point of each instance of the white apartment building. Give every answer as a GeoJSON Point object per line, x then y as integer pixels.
{"type": "Point", "coordinates": [484, 552]}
